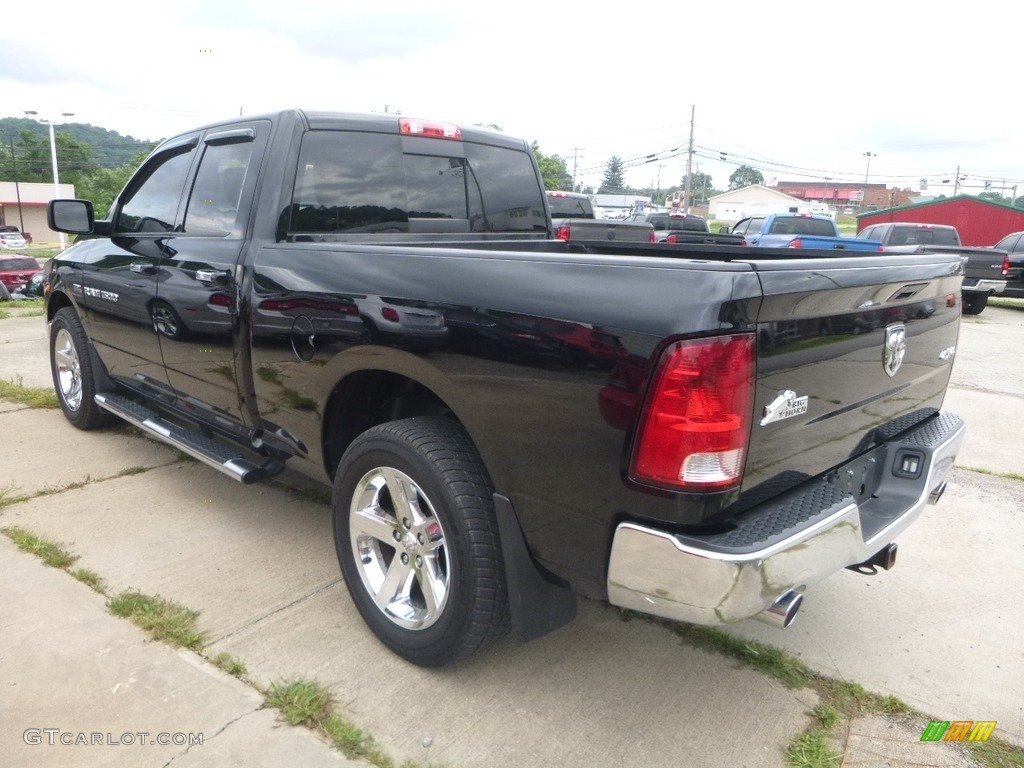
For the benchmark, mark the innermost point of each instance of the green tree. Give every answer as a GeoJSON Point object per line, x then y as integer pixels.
{"type": "Point", "coordinates": [1019, 202]}
{"type": "Point", "coordinates": [612, 180]}
{"type": "Point", "coordinates": [995, 197]}
{"type": "Point", "coordinates": [35, 160]}
{"type": "Point", "coordinates": [102, 185]}
{"type": "Point", "coordinates": [552, 169]}
{"type": "Point", "coordinates": [744, 176]}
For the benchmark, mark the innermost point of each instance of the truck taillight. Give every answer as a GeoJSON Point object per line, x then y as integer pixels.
{"type": "Point", "coordinates": [672, 239]}
{"type": "Point", "coordinates": [695, 423]}
{"type": "Point", "coordinates": [413, 127]}
{"type": "Point", "coordinates": [651, 238]}
{"type": "Point", "coordinates": [1006, 265]}
{"type": "Point", "coordinates": [796, 242]}
{"type": "Point", "coordinates": [562, 232]}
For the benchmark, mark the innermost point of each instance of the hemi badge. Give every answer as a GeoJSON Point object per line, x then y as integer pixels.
{"type": "Point", "coordinates": [785, 406]}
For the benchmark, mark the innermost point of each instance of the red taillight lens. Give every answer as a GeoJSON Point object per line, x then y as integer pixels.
{"type": "Point", "coordinates": [696, 419]}
{"type": "Point", "coordinates": [390, 314]}
{"type": "Point", "coordinates": [412, 127]}
{"type": "Point", "coordinates": [672, 239]}
{"type": "Point", "coordinates": [796, 242]}
{"type": "Point", "coordinates": [651, 238]}
{"type": "Point", "coordinates": [1006, 265]}
{"type": "Point", "coordinates": [562, 232]}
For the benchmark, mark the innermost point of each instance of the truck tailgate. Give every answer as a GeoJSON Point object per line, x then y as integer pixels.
{"type": "Point", "coordinates": [850, 352]}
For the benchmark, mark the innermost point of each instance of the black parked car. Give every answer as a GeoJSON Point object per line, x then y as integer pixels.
{"type": "Point", "coordinates": [1013, 244]}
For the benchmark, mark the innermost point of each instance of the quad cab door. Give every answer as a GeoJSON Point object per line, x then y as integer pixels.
{"type": "Point", "coordinates": [195, 312]}
{"type": "Point", "coordinates": [115, 279]}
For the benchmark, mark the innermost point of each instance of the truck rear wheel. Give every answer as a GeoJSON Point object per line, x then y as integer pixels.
{"type": "Point", "coordinates": [417, 540]}
{"type": "Point", "coordinates": [973, 302]}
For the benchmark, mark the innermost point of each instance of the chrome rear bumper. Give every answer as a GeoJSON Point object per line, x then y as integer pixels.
{"type": "Point", "coordinates": [800, 539]}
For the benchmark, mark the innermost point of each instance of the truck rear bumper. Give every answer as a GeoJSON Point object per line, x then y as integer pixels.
{"type": "Point", "coordinates": [779, 549]}
{"type": "Point", "coordinates": [983, 286]}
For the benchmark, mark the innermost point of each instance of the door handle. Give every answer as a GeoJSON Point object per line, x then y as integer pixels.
{"type": "Point", "coordinates": [142, 268]}
{"type": "Point", "coordinates": [212, 276]}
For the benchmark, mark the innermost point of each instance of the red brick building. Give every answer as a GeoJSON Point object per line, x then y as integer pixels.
{"type": "Point", "coordinates": [847, 194]}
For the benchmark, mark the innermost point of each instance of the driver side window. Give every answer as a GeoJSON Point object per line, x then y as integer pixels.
{"type": "Point", "coordinates": [151, 204]}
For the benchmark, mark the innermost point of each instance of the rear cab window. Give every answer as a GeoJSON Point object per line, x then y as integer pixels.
{"type": "Point", "coordinates": [351, 184]}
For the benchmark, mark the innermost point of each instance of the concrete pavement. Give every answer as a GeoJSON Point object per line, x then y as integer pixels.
{"type": "Point", "coordinates": [940, 631]}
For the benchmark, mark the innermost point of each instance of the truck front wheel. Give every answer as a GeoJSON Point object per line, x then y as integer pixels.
{"type": "Point", "coordinates": [973, 302]}
{"type": "Point", "coordinates": [417, 540]}
{"type": "Point", "coordinates": [72, 371]}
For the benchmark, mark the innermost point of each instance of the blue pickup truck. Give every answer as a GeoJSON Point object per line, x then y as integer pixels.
{"type": "Point", "coordinates": [794, 230]}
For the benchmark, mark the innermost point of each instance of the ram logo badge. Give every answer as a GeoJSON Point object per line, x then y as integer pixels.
{"type": "Point", "coordinates": [785, 406]}
{"type": "Point", "coordinates": [895, 348]}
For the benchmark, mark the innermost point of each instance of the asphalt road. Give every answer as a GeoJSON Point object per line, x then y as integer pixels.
{"type": "Point", "coordinates": [941, 631]}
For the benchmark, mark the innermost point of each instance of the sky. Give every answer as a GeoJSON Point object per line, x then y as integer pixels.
{"type": "Point", "coordinates": [802, 91]}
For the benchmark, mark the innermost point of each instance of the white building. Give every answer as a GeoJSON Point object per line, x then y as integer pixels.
{"type": "Point", "coordinates": [756, 200]}
{"type": "Point", "coordinates": [23, 205]}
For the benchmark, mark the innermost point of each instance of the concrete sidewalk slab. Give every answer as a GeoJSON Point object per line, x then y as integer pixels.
{"type": "Point", "coordinates": [942, 630]}
{"type": "Point", "coordinates": [260, 567]}
{"type": "Point", "coordinates": [67, 664]}
{"type": "Point", "coordinates": [994, 441]}
{"type": "Point", "coordinates": [42, 451]}
{"type": "Point", "coordinates": [24, 351]}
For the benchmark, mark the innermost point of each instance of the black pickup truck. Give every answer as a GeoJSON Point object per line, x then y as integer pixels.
{"type": "Point", "coordinates": [572, 218]}
{"type": "Point", "coordinates": [507, 421]}
{"type": "Point", "coordinates": [676, 227]}
{"type": "Point", "coordinates": [985, 269]}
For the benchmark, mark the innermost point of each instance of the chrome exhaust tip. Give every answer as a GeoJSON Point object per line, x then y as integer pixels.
{"type": "Point", "coordinates": [936, 494]}
{"type": "Point", "coordinates": [781, 613]}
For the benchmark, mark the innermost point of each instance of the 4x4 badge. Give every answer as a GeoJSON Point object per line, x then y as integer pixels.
{"type": "Point", "coordinates": [785, 406]}
{"type": "Point", "coordinates": [895, 348]}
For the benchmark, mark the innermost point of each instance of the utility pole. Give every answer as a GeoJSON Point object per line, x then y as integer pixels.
{"type": "Point", "coordinates": [575, 151]}
{"type": "Point", "coordinates": [956, 182]}
{"type": "Point", "coordinates": [867, 171]}
{"type": "Point", "coordinates": [689, 160]}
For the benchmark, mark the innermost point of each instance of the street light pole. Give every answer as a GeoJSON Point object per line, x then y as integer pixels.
{"type": "Point", "coordinates": [867, 172]}
{"type": "Point", "coordinates": [53, 157]}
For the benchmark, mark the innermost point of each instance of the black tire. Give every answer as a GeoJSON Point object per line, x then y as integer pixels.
{"type": "Point", "coordinates": [166, 321]}
{"type": "Point", "coordinates": [426, 573]}
{"type": "Point", "coordinates": [72, 372]}
{"type": "Point", "coordinates": [973, 302]}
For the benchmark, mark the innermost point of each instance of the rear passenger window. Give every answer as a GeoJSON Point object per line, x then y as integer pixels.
{"type": "Point", "coordinates": [353, 183]}
{"type": "Point", "coordinates": [214, 201]}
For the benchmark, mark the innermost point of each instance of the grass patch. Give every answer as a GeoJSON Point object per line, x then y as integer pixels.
{"type": "Point", "coordinates": [311, 494]}
{"type": "Point", "coordinates": [812, 750]}
{"type": "Point", "coordinates": [225, 662]}
{"type": "Point", "coordinates": [993, 473]}
{"type": "Point", "coordinates": [50, 552]}
{"type": "Point", "coordinates": [164, 620]}
{"type": "Point", "coordinates": [308, 703]}
{"type": "Point", "coordinates": [132, 471]}
{"type": "Point", "coordinates": [33, 397]}
{"type": "Point", "coordinates": [8, 496]}
{"type": "Point", "coordinates": [90, 579]}
{"type": "Point", "coordinates": [791, 672]}
{"type": "Point", "coordinates": [998, 301]}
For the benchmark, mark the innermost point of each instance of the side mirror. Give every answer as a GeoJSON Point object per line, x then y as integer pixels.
{"type": "Point", "coordinates": [72, 216]}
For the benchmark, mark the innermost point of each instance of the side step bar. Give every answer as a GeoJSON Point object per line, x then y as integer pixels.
{"type": "Point", "coordinates": [227, 459]}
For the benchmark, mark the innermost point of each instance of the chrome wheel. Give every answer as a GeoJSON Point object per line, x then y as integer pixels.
{"type": "Point", "coordinates": [165, 320]}
{"type": "Point", "coordinates": [68, 370]}
{"type": "Point", "coordinates": [399, 548]}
